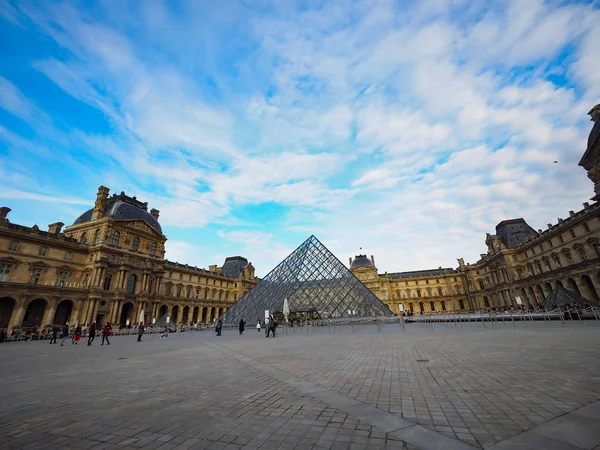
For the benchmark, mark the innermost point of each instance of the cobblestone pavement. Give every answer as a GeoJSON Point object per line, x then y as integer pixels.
{"type": "Point", "coordinates": [325, 389]}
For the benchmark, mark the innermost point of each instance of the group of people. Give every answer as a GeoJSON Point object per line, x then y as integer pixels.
{"type": "Point", "coordinates": [76, 334]}
{"type": "Point", "coordinates": [269, 323]}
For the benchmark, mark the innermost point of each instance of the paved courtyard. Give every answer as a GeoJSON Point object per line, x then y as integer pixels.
{"type": "Point", "coordinates": [514, 386]}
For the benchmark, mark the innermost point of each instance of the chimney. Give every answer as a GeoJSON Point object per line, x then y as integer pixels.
{"type": "Point", "coordinates": [100, 204]}
{"type": "Point", "coordinates": [540, 231]}
{"type": "Point", "coordinates": [549, 225]}
{"type": "Point", "coordinates": [586, 205]}
{"type": "Point", "coordinates": [571, 213]}
{"type": "Point", "coordinates": [154, 213]}
{"type": "Point", "coordinates": [54, 228]}
{"type": "Point", "coordinates": [482, 255]}
{"type": "Point", "coordinates": [3, 213]}
{"type": "Point", "coordinates": [350, 261]}
{"type": "Point", "coordinates": [212, 268]}
{"type": "Point", "coordinates": [372, 259]}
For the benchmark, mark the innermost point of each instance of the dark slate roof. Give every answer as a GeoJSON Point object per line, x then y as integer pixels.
{"type": "Point", "coordinates": [123, 207]}
{"type": "Point", "coordinates": [422, 273]}
{"type": "Point", "coordinates": [233, 266]}
{"type": "Point", "coordinates": [592, 153]}
{"type": "Point", "coordinates": [515, 232]}
{"type": "Point", "coordinates": [361, 261]}
{"type": "Point", "coordinates": [561, 297]}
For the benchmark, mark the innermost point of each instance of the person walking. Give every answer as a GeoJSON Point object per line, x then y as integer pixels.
{"type": "Point", "coordinates": [106, 333]}
{"type": "Point", "coordinates": [165, 333]}
{"type": "Point", "coordinates": [219, 327]}
{"type": "Point", "coordinates": [54, 334]}
{"type": "Point", "coordinates": [271, 327]}
{"type": "Point", "coordinates": [92, 334]}
{"type": "Point", "coordinates": [266, 326]}
{"type": "Point", "coordinates": [64, 335]}
{"type": "Point", "coordinates": [77, 335]}
{"type": "Point", "coordinates": [258, 326]}
{"type": "Point", "coordinates": [141, 329]}
{"type": "Point", "coordinates": [242, 326]}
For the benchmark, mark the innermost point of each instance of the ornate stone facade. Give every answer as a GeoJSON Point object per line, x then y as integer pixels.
{"type": "Point", "coordinates": [521, 264]}
{"type": "Point", "coordinates": [108, 266]}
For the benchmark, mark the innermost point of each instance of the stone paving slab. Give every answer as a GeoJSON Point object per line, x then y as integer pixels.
{"type": "Point", "coordinates": [447, 388]}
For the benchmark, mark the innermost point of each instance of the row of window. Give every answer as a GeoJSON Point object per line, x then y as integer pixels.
{"type": "Point", "coordinates": [208, 281]}
{"type": "Point", "coordinates": [560, 240]}
{"type": "Point", "coordinates": [220, 295]}
{"type": "Point", "coordinates": [34, 275]}
{"type": "Point", "coordinates": [426, 281]}
{"type": "Point", "coordinates": [14, 246]}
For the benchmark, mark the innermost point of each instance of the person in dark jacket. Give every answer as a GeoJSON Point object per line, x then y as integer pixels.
{"type": "Point", "coordinates": [272, 326]}
{"type": "Point", "coordinates": [77, 335]}
{"type": "Point", "coordinates": [141, 329]}
{"type": "Point", "coordinates": [106, 333]}
{"type": "Point", "coordinates": [242, 326]}
{"type": "Point", "coordinates": [64, 335]}
{"type": "Point", "coordinates": [92, 334]}
{"type": "Point", "coordinates": [54, 334]}
{"type": "Point", "coordinates": [219, 327]}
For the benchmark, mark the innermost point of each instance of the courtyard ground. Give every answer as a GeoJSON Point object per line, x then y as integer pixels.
{"type": "Point", "coordinates": [512, 386]}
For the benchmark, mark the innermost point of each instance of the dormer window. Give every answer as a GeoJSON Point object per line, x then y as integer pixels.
{"type": "Point", "coordinates": [83, 238]}
{"type": "Point", "coordinates": [96, 237]}
{"type": "Point", "coordinates": [116, 236]}
{"type": "Point", "coordinates": [68, 255]}
{"type": "Point", "coordinates": [13, 246]}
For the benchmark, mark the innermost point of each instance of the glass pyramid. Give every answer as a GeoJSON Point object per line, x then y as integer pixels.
{"type": "Point", "coordinates": [317, 286]}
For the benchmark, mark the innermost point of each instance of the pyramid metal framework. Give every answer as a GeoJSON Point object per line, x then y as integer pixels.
{"type": "Point", "coordinates": [315, 283]}
{"type": "Point", "coordinates": [561, 297]}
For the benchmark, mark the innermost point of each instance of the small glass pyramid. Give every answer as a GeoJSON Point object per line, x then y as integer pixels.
{"type": "Point", "coordinates": [317, 286]}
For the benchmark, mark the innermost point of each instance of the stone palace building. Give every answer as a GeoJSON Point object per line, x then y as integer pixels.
{"type": "Point", "coordinates": [521, 264]}
{"type": "Point", "coordinates": [108, 266]}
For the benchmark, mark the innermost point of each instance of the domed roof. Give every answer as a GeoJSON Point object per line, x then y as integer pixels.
{"type": "Point", "coordinates": [361, 261]}
{"type": "Point", "coordinates": [123, 208]}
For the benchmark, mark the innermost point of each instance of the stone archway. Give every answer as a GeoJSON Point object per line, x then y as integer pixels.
{"type": "Point", "coordinates": [572, 286]}
{"type": "Point", "coordinates": [7, 307]}
{"type": "Point", "coordinates": [185, 314]}
{"type": "Point", "coordinates": [204, 314]}
{"type": "Point", "coordinates": [63, 312]}
{"type": "Point", "coordinates": [195, 314]}
{"type": "Point", "coordinates": [540, 293]}
{"type": "Point", "coordinates": [163, 311]}
{"type": "Point", "coordinates": [174, 314]}
{"type": "Point", "coordinates": [532, 295]}
{"type": "Point", "coordinates": [213, 314]}
{"type": "Point", "coordinates": [127, 312]}
{"type": "Point", "coordinates": [34, 314]}
{"type": "Point", "coordinates": [587, 283]}
{"type": "Point", "coordinates": [559, 283]}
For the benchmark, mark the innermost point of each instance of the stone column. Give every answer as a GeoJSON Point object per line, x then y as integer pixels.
{"type": "Point", "coordinates": [17, 314]}
{"type": "Point", "coordinates": [124, 280]}
{"type": "Point", "coordinates": [49, 313]}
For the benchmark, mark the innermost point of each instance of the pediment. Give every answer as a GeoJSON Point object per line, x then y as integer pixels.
{"type": "Point", "coordinates": [10, 260]}
{"type": "Point", "coordinates": [140, 225]}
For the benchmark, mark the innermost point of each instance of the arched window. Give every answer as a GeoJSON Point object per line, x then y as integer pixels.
{"type": "Point", "coordinates": [97, 237]}
{"type": "Point", "coordinates": [440, 292]}
{"type": "Point", "coordinates": [168, 290]}
{"type": "Point", "coordinates": [178, 291]}
{"type": "Point", "coordinates": [115, 238]}
{"type": "Point", "coordinates": [83, 237]}
{"type": "Point", "coordinates": [135, 244]}
{"type": "Point", "coordinates": [422, 307]}
{"type": "Point", "coordinates": [418, 292]}
{"type": "Point", "coordinates": [461, 304]}
{"type": "Point", "coordinates": [443, 306]}
{"type": "Point", "coordinates": [153, 249]}
{"type": "Point", "coordinates": [188, 292]}
{"type": "Point", "coordinates": [432, 306]}
{"type": "Point", "coordinates": [131, 282]}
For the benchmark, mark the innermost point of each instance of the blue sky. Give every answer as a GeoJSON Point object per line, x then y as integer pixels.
{"type": "Point", "coordinates": [409, 129]}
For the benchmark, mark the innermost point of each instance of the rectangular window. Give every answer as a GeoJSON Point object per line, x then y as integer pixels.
{"type": "Point", "coordinates": [34, 275]}
{"type": "Point", "coordinates": [455, 279]}
{"type": "Point", "coordinates": [426, 281]}
{"type": "Point", "coordinates": [68, 255]}
{"type": "Point", "coordinates": [107, 280]}
{"type": "Point", "coordinates": [573, 233]}
{"type": "Point", "coordinates": [43, 250]}
{"type": "Point", "coordinates": [180, 275]}
{"type": "Point", "coordinates": [481, 285]}
{"type": "Point", "coordinates": [168, 290]}
{"type": "Point", "coordinates": [515, 258]}
{"type": "Point", "coordinates": [13, 246]}
{"type": "Point", "coordinates": [62, 278]}
{"type": "Point", "coordinates": [550, 243]}
{"type": "Point", "coordinates": [586, 227]}
{"type": "Point", "coordinates": [4, 271]}
{"type": "Point", "coordinates": [560, 239]}
{"type": "Point", "coordinates": [533, 250]}
{"type": "Point", "coordinates": [190, 277]}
